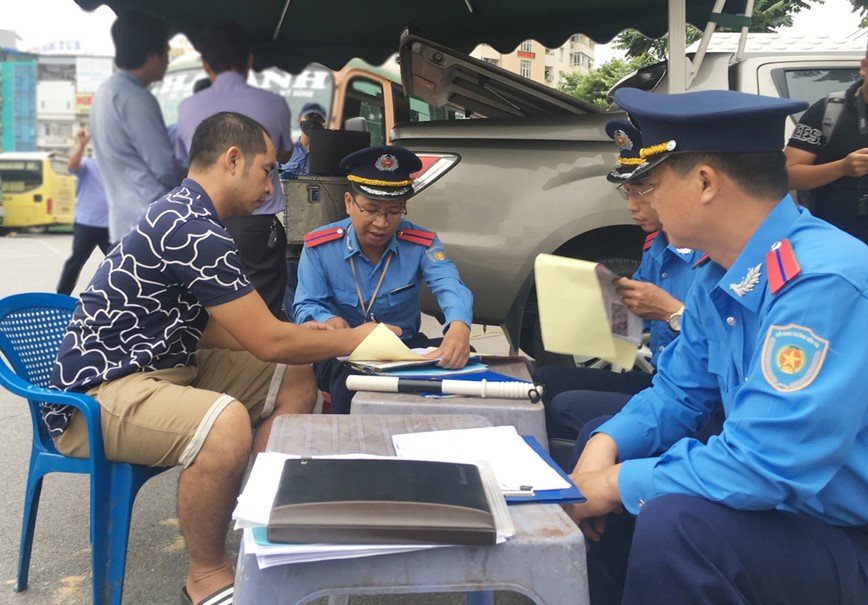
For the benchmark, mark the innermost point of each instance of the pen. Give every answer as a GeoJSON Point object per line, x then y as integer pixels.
{"type": "Point", "coordinates": [520, 491]}
{"type": "Point", "coordinates": [401, 289]}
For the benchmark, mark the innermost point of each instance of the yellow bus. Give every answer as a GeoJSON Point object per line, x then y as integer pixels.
{"type": "Point", "coordinates": [37, 189]}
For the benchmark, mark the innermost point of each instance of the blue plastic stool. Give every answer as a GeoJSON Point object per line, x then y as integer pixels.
{"type": "Point", "coordinates": [31, 330]}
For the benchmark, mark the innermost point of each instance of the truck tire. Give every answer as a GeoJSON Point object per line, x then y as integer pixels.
{"type": "Point", "coordinates": [622, 266]}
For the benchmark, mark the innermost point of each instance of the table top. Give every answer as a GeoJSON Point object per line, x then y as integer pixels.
{"type": "Point", "coordinates": [309, 435]}
{"type": "Point", "coordinates": [544, 535]}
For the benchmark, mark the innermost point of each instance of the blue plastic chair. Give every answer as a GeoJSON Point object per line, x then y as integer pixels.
{"type": "Point", "coordinates": [31, 329]}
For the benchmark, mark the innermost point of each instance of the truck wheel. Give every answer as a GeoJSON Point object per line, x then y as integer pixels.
{"type": "Point", "coordinates": [622, 266]}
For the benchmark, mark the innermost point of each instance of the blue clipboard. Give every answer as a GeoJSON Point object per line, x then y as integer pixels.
{"type": "Point", "coordinates": [548, 496]}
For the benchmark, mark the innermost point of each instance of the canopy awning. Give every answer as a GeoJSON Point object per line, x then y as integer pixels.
{"type": "Point", "coordinates": [292, 33]}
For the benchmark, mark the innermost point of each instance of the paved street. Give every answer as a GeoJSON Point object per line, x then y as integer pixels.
{"type": "Point", "coordinates": [156, 564]}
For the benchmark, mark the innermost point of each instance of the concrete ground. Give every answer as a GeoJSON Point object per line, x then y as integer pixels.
{"type": "Point", "coordinates": [156, 562]}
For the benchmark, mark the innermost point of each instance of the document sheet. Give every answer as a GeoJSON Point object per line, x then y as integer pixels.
{"type": "Point", "coordinates": [581, 313]}
{"type": "Point", "coordinates": [514, 462]}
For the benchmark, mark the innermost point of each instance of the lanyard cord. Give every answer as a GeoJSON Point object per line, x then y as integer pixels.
{"type": "Point", "coordinates": [370, 304]}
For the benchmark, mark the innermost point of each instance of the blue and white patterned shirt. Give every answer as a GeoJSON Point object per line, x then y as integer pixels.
{"type": "Point", "coordinates": [145, 308]}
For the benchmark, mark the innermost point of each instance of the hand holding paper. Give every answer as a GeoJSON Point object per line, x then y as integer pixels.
{"type": "Point", "coordinates": [581, 312]}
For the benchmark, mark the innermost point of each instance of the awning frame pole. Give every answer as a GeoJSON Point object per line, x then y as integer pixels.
{"type": "Point", "coordinates": [280, 21]}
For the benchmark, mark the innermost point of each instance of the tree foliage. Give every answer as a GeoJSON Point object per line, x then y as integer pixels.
{"type": "Point", "coordinates": [592, 87]}
{"type": "Point", "coordinates": [768, 15]}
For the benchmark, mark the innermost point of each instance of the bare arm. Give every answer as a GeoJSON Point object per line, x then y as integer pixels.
{"type": "Point", "coordinates": [805, 174]}
{"type": "Point", "coordinates": [248, 321]}
{"type": "Point", "coordinates": [216, 337]}
{"type": "Point", "coordinates": [82, 139]}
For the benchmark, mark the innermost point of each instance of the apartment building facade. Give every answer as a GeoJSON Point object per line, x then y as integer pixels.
{"type": "Point", "coordinates": [544, 65]}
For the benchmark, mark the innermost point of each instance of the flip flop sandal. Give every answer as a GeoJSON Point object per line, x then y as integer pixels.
{"type": "Point", "coordinates": [221, 597]}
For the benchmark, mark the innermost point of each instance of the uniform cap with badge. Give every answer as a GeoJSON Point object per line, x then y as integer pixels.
{"type": "Point", "coordinates": [629, 141]}
{"type": "Point", "coordinates": [382, 173]}
{"type": "Point", "coordinates": [711, 121]}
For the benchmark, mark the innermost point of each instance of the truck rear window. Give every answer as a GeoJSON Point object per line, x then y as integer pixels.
{"type": "Point", "coordinates": [811, 85]}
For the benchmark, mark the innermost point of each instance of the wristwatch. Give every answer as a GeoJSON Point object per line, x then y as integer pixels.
{"type": "Point", "coordinates": [674, 321]}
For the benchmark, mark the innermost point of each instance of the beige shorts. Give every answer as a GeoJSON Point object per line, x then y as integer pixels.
{"type": "Point", "coordinates": [162, 418]}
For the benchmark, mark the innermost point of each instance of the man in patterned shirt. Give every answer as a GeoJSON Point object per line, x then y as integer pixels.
{"type": "Point", "coordinates": [180, 351]}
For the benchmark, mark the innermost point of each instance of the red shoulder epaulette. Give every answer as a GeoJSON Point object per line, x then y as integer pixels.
{"type": "Point", "coordinates": [423, 238]}
{"type": "Point", "coordinates": [649, 239]}
{"type": "Point", "coordinates": [782, 265]}
{"type": "Point", "coordinates": [315, 238]}
{"type": "Point", "coordinates": [702, 260]}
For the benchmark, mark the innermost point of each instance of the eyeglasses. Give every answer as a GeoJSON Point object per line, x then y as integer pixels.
{"type": "Point", "coordinates": [372, 215]}
{"type": "Point", "coordinates": [634, 194]}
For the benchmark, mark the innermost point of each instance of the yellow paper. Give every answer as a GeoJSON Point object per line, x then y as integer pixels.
{"type": "Point", "coordinates": [383, 345]}
{"type": "Point", "coordinates": [572, 311]}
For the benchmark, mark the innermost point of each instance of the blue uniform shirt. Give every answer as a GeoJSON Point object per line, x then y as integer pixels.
{"type": "Point", "coordinates": [789, 370]}
{"type": "Point", "coordinates": [299, 163]}
{"type": "Point", "coordinates": [326, 287]}
{"type": "Point", "coordinates": [672, 270]}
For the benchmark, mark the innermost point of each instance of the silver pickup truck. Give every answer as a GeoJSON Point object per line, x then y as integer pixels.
{"type": "Point", "coordinates": [525, 173]}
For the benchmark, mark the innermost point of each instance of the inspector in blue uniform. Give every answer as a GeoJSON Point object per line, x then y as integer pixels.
{"type": "Point", "coordinates": [773, 509]}
{"type": "Point", "coordinates": [370, 267]}
{"type": "Point", "coordinates": [575, 395]}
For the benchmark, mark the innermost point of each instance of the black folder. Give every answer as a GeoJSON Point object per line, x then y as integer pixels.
{"type": "Point", "coordinates": [381, 501]}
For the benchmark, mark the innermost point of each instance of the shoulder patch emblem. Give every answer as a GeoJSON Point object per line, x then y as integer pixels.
{"type": "Point", "coordinates": [315, 238]}
{"type": "Point", "coordinates": [436, 254]}
{"type": "Point", "coordinates": [649, 240]}
{"type": "Point", "coordinates": [781, 264]}
{"type": "Point", "coordinates": [415, 236]}
{"type": "Point", "coordinates": [792, 357]}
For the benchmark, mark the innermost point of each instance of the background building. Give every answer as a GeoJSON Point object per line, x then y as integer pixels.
{"type": "Point", "coordinates": [544, 65]}
{"type": "Point", "coordinates": [17, 100]}
{"type": "Point", "coordinates": [45, 96]}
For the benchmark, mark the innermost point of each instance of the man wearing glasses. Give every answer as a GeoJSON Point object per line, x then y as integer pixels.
{"type": "Point", "coordinates": [370, 267]}
{"type": "Point", "coordinates": [573, 396]}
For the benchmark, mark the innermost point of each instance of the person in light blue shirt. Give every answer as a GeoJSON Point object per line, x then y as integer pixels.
{"type": "Point", "coordinates": [370, 268]}
{"type": "Point", "coordinates": [129, 135]}
{"type": "Point", "coordinates": [90, 222]}
{"type": "Point", "coordinates": [771, 510]}
{"type": "Point", "coordinates": [260, 237]}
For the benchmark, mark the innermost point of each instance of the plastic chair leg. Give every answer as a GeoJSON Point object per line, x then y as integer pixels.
{"type": "Point", "coordinates": [110, 530]}
{"type": "Point", "coordinates": [28, 525]}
